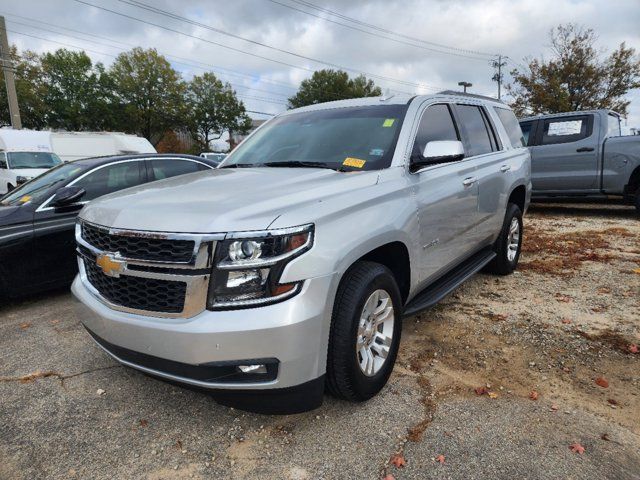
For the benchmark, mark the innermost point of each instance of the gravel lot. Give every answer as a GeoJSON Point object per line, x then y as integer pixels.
{"type": "Point", "coordinates": [496, 382]}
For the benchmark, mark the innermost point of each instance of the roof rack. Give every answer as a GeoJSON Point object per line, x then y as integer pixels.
{"type": "Point", "coordinates": [472, 95]}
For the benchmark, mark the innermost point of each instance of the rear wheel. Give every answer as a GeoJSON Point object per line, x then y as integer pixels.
{"type": "Point", "coordinates": [638, 202]}
{"type": "Point", "coordinates": [365, 332]}
{"type": "Point", "coordinates": [507, 247]}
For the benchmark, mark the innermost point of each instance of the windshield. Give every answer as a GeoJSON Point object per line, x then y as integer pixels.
{"type": "Point", "coordinates": [32, 160]}
{"type": "Point", "coordinates": [353, 138]}
{"type": "Point", "coordinates": [36, 189]}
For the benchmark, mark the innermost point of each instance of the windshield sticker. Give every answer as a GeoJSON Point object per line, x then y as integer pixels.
{"type": "Point", "coordinates": [25, 199]}
{"type": "Point", "coordinates": [572, 127]}
{"type": "Point", "coordinates": [376, 152]}
{"type": "Point", "coordinates": [353, 162]}
{"type": "Point", "coordinates": [388, 122]}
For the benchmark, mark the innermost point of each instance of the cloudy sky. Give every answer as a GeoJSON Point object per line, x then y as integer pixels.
{"type": "Point", "coordinates": [404, 46]}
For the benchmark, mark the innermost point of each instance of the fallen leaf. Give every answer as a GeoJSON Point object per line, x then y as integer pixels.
{"type": "Point", "coordinates": [440, 458]}
{"type": "Point", "coordinates": [602, 382]}
{"type": "Point", "coordinates": [637, 270]}
{"type": "Point", "coordinates": [577, 448]}
{"type": "Point", "coordinates": [398, 461]}
{"type": "Point", "coordinates": [566, 321]}
{"type": "Point", "coordinates": [633, 348]}
{"type": "Point", "coordinates": [605, 437]}
{"type": "Point", "coordinates": [492, 395]}
{"type": "Point", "coordinates": [481, 390]}
{"type": "Point", "coordinates": [389, 477]}
{"type": "Point", "coordinates": [554, 407]}
{"type": "Point", "coordinates": [612, 401]}
{"type": "Point", "coordinates": [144, 423]}
{"type": "Point", "coordinates": [533, 395]}
{"type": "Point", "coordinates": [25, 325]}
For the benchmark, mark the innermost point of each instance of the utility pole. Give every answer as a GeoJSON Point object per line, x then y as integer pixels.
{"type": "Point", "coordinates": [498, 64]}
{"type": "Point", "coordinates": [9, 80]}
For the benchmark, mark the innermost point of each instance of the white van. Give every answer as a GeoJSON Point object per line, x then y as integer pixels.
{"type": "Point", "coordinates": [76, 145]}
{"type": "Point", "coordinates": [24, 154]}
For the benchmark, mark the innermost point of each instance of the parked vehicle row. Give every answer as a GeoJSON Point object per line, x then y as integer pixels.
{"type": "Point", "coordinates": [583, 155]}
{"type": "Point", "coordinates": [290, 267]}
{"type": "Point", "coordinates": [25, 154]}
{"type": "Point", "coordinates": [37, 219]}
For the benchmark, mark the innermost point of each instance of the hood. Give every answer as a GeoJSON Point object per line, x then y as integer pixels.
{"type": "Point", "coordinates": [224, 200]}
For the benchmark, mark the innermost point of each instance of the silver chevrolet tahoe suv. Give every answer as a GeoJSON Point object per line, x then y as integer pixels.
{"type": "Point", "coordinates": [289, 269]}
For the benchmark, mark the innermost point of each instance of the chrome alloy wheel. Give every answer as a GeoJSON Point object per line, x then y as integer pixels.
{"type": "Point", "coordinates": [513, 239]}
{"type": "Point", "coordinates": [375, 332]}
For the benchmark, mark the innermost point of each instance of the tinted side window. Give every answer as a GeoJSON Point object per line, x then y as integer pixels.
{"type": "Point", "coordinates": [526, 128]}
{"type": "Point", "coordinates": [511, 125]}
{"type": "Point", "coordinates": [436, 124]}
{"type": "Point", "coordinates": [171, 167]}
{"type": "Point", "coordinates": [474, 124]}
{"type": "Point", "coordinates": [565, 130]}
{"type": "Point", "coordinates": [613, 126]}
{"type": "Point", "coordinates": [110, 179]}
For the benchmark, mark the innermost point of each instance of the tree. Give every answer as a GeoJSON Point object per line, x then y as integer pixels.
{"type": "Point", "coordinates": [151, 92]}
{"type": "Point", "coordinates": [78, 94]}
{"type": "Point", "coordinates": [214, 109]}
{"type": "Point", "coordinates": [29, 88]}
{"type": "Point", "coordinates": [329, 85]}
{"type": "Point", "coordinates": [576, 77]}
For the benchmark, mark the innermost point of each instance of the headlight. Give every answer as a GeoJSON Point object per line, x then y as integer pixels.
{"type": "Point", "coordinates": [248, 267]}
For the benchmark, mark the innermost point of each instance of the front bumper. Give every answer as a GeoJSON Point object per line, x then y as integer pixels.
{"type": "Point", "coordinates": [294, 333]}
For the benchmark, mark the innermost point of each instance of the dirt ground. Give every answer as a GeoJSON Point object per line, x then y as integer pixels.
{"type": "Point", "coordinates": [498, 381]}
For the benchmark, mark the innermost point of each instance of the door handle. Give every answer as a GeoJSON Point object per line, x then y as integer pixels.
{"type": "Point", "coordinates": [469, 181]}
{"type": "Point", "coordinates": [585, 149]}
{"type": "Point", "coordinates": [505, 168]}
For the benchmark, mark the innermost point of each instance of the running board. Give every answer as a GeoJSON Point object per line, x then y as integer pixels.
{"type": "Point", "coordinates": [448, 282]}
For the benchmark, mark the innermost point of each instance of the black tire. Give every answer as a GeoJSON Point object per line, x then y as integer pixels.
{"type": "Point", "coordinates": [501, 264]}
{"type": "Point", "coordinates": [637, 202]}
{"type": "Point", "coordinates": [344, 378]}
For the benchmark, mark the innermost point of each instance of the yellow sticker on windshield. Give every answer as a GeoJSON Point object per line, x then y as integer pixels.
{"type": "Point", "coordinates": [25, 199]}
{"type": "Point", "coordinates": [353, 162]}
{"type": "Point", "coordinates": [389, 122]}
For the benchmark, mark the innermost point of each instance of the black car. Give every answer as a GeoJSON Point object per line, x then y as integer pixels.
{"type": "Point", "coordinates": [37, 219]}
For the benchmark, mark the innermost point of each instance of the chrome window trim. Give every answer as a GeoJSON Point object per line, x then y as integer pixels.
{"type": "Point", "coordinates": [45, 208]}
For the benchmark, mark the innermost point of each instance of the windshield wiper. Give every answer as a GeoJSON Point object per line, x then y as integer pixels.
{"type": "Point", "coordinates": [299, 164]}
{"type": "Point", "coordinates": [240, 165]}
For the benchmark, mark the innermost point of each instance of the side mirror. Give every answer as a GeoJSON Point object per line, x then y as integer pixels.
{"type": "Point", "coordinates": [439, 151]}
{"type": "Point", "coordinates": [66, 196]}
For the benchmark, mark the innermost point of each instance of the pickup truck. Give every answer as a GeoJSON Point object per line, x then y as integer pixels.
{"type": "Point", "coordinates": [289, 269]}
{"type": "Point", "coordinates": [582, 155]}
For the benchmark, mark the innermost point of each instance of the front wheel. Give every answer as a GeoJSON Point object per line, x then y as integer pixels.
{"type": "Point", "coordinates": [365, 332]}
{"type": "Point", "coordinates": [507, 246]}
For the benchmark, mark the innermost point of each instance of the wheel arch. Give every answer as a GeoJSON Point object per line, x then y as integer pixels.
{"type": "Point", "coordinates": [519, 197]}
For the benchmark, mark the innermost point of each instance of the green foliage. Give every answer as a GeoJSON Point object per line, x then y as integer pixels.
{"type": "Point", "coordinates": [79, 95]}
{"type": "Point", "coordinates": [151, 91]}
{"type": "Point", "coordinates": [575, 78]}
{"type": "Point", "coordinates": [330, 85]}
{"type": "Point", "coordinates": [214, 109]}
{"type": "Point", "coordinates": [30, 90]}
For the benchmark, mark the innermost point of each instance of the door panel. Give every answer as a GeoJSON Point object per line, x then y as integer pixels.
{"type": "Point", "coordinates": [18, 266]}
{"type": "Point", "coordinates": [565, 156]}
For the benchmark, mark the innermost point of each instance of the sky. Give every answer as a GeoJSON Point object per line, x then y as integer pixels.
{"type": "Point", "coordinates": [409, 46]}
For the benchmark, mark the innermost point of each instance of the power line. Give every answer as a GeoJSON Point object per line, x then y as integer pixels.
{"type": "Point", "coordinates": [384, 30]}
{"type": "Point", "coordinates": [377, 35]}
{"type": "Point", "coordinates": [268, 100]}
{"type": "Point", "coordinates": [208, 27]}
{"type": "Point", "coordinates": [224, 71]}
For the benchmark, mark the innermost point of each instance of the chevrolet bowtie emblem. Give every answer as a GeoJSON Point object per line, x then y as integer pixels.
{"type": "Point", "coordinates": [109, 265]}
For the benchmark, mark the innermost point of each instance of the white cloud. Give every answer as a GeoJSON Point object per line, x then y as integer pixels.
{"type": "Point", "coordinates": [515, 28]}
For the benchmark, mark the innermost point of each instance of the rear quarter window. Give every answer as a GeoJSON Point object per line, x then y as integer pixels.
{"type": "Point", "coordinates": [512, 127]}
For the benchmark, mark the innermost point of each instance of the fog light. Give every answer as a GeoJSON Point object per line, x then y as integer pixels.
{"type": "Point", "coordinates": [253, 368]}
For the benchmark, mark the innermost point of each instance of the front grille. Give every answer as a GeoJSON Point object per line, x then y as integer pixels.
{"type": "Point", "coordinates": [139, 248]}
{"type": "Point", "coordinates": [136, 292]}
